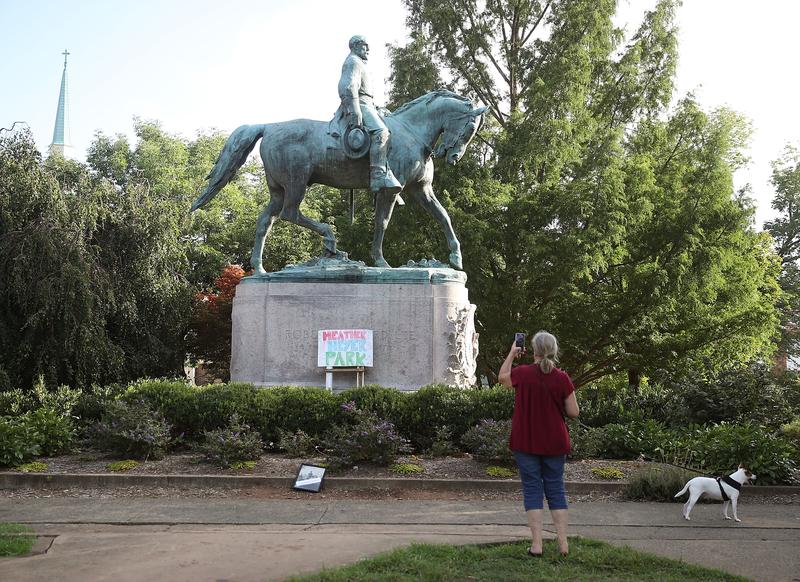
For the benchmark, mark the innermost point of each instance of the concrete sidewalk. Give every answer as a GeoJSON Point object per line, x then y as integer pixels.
{"type": "Point", "coordinates": [127, 539]}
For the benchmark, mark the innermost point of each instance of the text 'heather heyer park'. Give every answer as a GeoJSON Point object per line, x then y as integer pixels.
{"type": "Point", "coordinates": [346, 347]}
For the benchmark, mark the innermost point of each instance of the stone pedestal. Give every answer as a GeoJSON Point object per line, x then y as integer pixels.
{"type": "Point", "coordinates": [422, 320]}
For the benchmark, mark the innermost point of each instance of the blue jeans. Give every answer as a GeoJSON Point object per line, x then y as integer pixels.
{"type": "Point", "coordinates": [542, 476]}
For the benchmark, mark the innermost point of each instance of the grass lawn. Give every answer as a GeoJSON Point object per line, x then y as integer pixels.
{"type": "Point", "coordinates": [588, 560]}
{"type": "Point", "coordinates": [12, 543]}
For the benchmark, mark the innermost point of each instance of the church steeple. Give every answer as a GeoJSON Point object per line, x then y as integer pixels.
{"type": "Point", "coordinates": [61, 137]}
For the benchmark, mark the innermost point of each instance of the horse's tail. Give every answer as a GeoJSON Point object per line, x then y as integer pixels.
{"type": "Point", "coordinates": [233, 155]}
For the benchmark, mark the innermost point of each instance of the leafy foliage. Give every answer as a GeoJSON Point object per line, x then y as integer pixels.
{"type": "Point", "coordinates": [739, 395]}
{"type": "Point", "coordinates": [610, 215]}
{"type": "Point", "coordinates": [18, 441]}
{"type": "Point", "coordinates": [234, 443]}
{"type": "Point", "coordinates": [720, 448]}
{"type": "Point", "coordinates": [791, 431]}
{"type": "Point", "coordinates": [54, 432]}
{"type": "Point", "coordinates": [33, 467]}
{"type": "Point", "coordinates": [443, 445]}
{"type": "Point", "coordinates": [406, 469]}
{"type": "Point", "coordinates": [488, 440]}
{"type": "Point", "coordinates": [209, 337]}
{"type": "Point", "coordinates": [500, 472]}
{"type": "Point", "coordinates": [363, 437]}
{"type": "Point", "coordinates": [298, 443]}
{"type": "Point", "coordinates": [122, 466]}
{"type": "Point", "coordinates": [628, 441]}
{"type": "Point", "coordinates": [659, 483]}
{"type": "Point", "coordinates": [785, 231]}
{"type": "Point", "coordinates": [133, 429]}
{"type": "Point", "coordinates": [608, 473]}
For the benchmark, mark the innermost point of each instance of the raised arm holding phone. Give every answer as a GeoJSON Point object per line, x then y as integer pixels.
{"type": "Point", "coordinates": [543, 397]}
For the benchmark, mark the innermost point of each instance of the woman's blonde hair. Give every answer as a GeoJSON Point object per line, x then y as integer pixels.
{"type": "Point", "coordinates": [545, 345]}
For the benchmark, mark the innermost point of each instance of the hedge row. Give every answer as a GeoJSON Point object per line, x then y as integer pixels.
{"type": "Point", "coordinates": [716, 449]}
{"type": "Point", "coordinates": [417, 415]}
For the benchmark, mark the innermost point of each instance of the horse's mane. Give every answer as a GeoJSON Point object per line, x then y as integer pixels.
{"type": "Point", "coordinates": [428, 97]}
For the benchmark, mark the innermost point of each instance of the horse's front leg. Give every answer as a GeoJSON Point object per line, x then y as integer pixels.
{"type": "Point", "coordinates": [384, 206]}
{"type": "Point", "coordinates": [430, 203]}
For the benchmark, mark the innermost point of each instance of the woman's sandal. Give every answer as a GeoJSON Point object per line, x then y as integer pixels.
{"type": "Point", "coordinates": [534, 554]}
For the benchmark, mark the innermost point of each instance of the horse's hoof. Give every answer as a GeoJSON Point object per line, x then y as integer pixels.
{"type": "Point", "coordinates": [455, 260]}
{"type": "Point", "coordinates": [339, 254]}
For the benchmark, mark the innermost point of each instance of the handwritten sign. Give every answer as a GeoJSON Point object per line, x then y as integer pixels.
{"type": "Point", "coordinates": [344, 348]}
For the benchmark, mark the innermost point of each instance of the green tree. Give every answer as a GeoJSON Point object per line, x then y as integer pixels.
{"type": "Point", "coordinates": [91, 290]}
{"type": "Point", "coordinates": [785, 230]}
{"type": "Point", "coordinates": [588, 207]}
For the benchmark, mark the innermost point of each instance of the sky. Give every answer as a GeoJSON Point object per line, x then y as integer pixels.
{"type": "Point", "coordinates": [201, 65]}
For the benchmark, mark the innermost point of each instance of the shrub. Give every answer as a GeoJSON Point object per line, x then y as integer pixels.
{"type": "Point", "coordinates": [488, 440]}
{"type": "Point", "coordinates": [33, 467]}
{"type": "Point", "coordinates": [628, 441]}
{"type": "Point", "coordinates": [244, 465]}
{"type": "Point", "coordinates": [720, 448]}
{"type": "Point", "coordinates": [443, 445]}
{"type": "Point", "coordinates": [284, 408]}
{"type": "Point", "coordinates": [54, 431]}
{"type": "Point", "coordinates": [431, 407]}
{"type": "Point", "coordinates": [298, 443]}
{"type": "Point", "coordinates": [747, 394]}
{"type": "Point", "coordinates": [608, 473]}
{"type": "Point", "coordinates": [584, 440]}
{"type": "Point", "coordinates": [132, 429]}
{"type": "Point", "coordinates": [406, 469]}
{"type": "Point", "coordinates": [91, 404]}
{"type": "Point", "coordinates": [176, 401]}
{"type": "Point", "coordinates": [791, 432]}
{"type": "Point", "coordinates": [234, 443]}
{"type": "Point", "coordinates": [18, 441]}
{"type": "Point", "coordinates": [657, 483]}
{"type": "Point", "coordinates": [613, 400]}
{"type": "Point", "coordinates": [382, 402]}
{"type": "Point", "coordinates": [496, 402]}
{"type": "Point", "coordinates": [216, 403]}
{"type": "Point", "coordinates": [17, 402]}
{"type": "Point", "coordinates": [499, 472]}
{"type": "Point", "coordinates": [363, 437]}
{"type": "Point", "coordinates": [120, 466]}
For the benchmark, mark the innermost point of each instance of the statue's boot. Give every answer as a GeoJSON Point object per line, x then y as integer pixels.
{"type": "Point", "coordinates": [382, 179]}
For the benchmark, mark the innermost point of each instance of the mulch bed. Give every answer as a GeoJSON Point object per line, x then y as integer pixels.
{"type": "Point", "coordinates": [276, 465]}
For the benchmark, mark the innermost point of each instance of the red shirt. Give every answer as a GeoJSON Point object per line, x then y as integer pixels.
{"type": "Point", "coordinates": [538, 426]}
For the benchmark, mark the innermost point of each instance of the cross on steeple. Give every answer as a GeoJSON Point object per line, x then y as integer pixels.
{"type": "Point", "coordinates": [66, 54]}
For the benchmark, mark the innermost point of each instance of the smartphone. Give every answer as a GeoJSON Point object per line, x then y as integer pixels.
{"type": "Point", "coordinates": [519, 340]}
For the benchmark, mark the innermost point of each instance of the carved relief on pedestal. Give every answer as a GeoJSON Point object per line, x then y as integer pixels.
{"type": "Point", "coordinates": [463, 346]}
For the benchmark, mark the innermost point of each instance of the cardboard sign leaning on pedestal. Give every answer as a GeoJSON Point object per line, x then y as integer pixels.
{"type": "Point", "coordinates": [344, 350]}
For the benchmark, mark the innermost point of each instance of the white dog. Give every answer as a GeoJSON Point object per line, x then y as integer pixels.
{"type": "Point", "coordinates": [722, 488]}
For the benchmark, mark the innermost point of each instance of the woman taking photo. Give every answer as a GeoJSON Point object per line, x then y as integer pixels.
{"type": "Point", "coordinates": [543, 396]}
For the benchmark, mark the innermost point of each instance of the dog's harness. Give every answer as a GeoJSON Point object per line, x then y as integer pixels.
{"type": "Point", "coordinates": [728, 481]}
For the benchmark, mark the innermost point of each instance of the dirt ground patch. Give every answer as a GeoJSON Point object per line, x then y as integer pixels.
{"type": "Point", "coordinates": [275, 465]}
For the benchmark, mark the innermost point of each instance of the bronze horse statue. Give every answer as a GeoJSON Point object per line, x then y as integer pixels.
{"type": "Point", "coordinates": [302, 152]}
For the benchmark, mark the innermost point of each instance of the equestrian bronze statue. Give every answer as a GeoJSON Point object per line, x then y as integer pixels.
{"type": "Point", "coordinates": [301, 152]}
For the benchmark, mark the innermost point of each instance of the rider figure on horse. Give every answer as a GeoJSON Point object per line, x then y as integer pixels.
{"type": "Point", "coordinates": [359, 110]}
